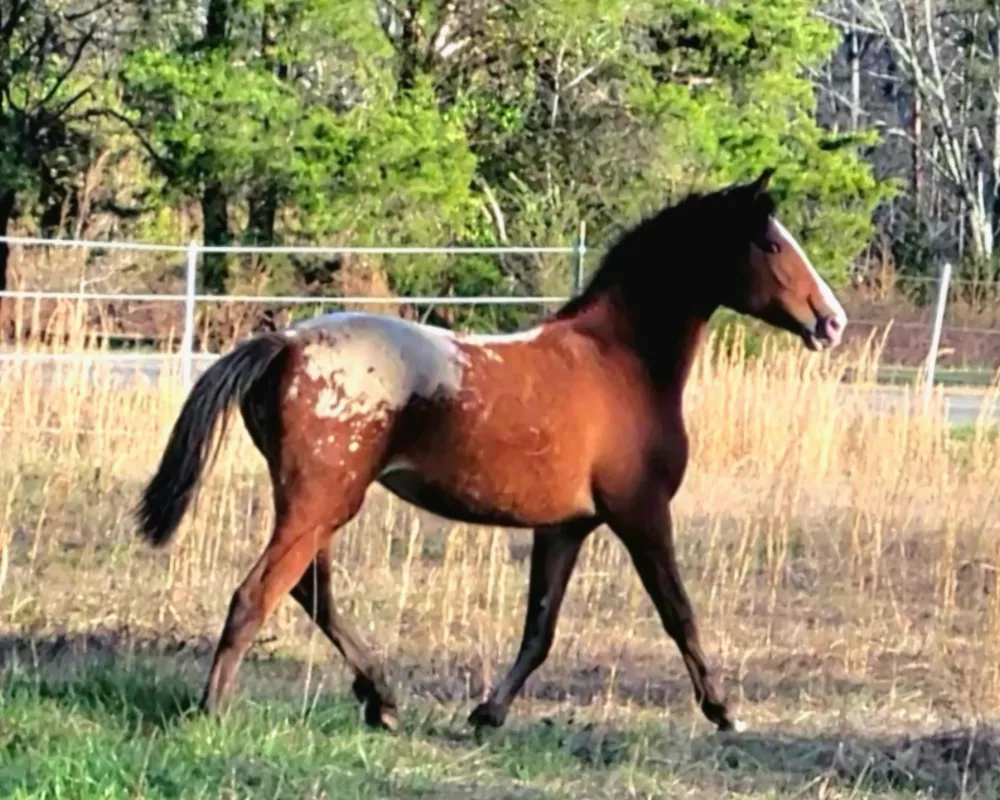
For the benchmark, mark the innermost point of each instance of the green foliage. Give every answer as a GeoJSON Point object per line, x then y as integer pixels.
{"type": "Point", "coordinates": [742, 105]}
{"type": "Point", "coordinates": [334, 121]}
{"type": "Point", "coordinates": [399, 171]}
{"type": "Point", "coordinates": [211, 119]}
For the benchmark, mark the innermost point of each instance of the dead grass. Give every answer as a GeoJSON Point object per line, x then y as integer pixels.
{"type": "Point", "coordinates": [843, 565]}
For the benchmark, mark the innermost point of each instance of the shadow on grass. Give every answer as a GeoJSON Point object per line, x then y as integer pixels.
{"type": "Point", "coordinates": [142, 694]}
{"type": "Point", "coordinates": [138, 697]}
{"type": "Point", "coordinates": [956, 763]}
{"type": "Point", "coordinates": [952, 764]}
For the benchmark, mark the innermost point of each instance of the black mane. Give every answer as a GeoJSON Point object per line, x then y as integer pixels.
{"type": "Point", "coordinates": [729, 218]}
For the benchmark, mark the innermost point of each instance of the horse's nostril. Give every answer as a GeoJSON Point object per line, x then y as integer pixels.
{"type": "Point", "coordinates": [833, 325]}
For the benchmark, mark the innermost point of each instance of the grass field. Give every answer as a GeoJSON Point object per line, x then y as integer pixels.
{"type": "Point", "coordinates": [843, 566]}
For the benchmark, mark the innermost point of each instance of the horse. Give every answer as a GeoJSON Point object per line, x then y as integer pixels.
{"type": "Point", "coordinates": [559, 428]}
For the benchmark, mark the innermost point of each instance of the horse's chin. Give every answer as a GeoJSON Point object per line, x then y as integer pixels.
{"type": "Point", "coordinates": [812, 341]}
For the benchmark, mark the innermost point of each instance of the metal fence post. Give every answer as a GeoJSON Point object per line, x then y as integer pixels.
{"type": "Point", "coordinates": [187, 342]}
{"type": "Point", "coordinates": [581, 253]}
{"type": "Point", "coordinates": [942, 301]}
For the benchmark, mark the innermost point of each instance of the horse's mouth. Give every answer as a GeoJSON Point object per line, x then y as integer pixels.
{"type": "Point", "coordinates": [824, 334]}
{"type": "Point", "coordinates": [814, 342]}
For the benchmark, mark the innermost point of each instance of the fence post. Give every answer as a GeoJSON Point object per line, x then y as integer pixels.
{"type": "Point", "coordinates": [190, 288]}
{"type": "Point", "coordinates": [581, 252]}
{"type": "Point", "coordinates": [942, 301]}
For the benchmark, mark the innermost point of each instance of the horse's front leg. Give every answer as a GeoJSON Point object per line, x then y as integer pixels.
{"type": "Point", "coordinates": [644, 527]}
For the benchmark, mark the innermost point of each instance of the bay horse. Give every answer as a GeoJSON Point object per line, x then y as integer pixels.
{"type": "Point", "coordinates": [560, 428]}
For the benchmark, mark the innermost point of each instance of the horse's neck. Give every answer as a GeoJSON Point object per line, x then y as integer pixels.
{"type": "Point", "coordinates": [667, 345]}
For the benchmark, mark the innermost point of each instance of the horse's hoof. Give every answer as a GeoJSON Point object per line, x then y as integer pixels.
{"type": "Point", "coordinates": [733, 726]}
{"type": "Point", "coordinates": [388, 721]}
{"type": "Point", "coordinates": [207, 708]}
{"type": "Point", "coordinates": [380, 717]}
{"type": "Point", "coordinates": [487, 715]}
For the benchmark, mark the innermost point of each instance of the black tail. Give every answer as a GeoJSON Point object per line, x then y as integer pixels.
{"type": "Point", "coordinates": [168, 494]}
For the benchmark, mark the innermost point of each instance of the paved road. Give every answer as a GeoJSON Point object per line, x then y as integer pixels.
{"type": "Point", "coordinates": [963, 405]}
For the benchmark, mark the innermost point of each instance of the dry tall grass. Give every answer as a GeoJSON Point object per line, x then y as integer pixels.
{"type": "Point", "coordinates": [843, 563]}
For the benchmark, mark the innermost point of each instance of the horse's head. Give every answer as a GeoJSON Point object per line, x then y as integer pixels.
{"type": "Point", "coordinates": [736, 254]}
{"type": "Point", "coordinates": [774, 280]}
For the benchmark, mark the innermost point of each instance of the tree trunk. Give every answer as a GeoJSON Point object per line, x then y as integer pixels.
{"type": "Point", "coordinates": [981, 223]}
{"type": "Point", "coordinates": [917, 151]}
{"type": "Point", "coordinates": [263, 211]}
{"type": "Point", "coordinates": [216, 22]}
{"type": "Point", "coordinates": [854, 59]}
{"type": "Point", "coordinates": [995, 144]}
{"type": "Point", "coordinates": [7, 200]}
{"type": "Point", "coordinates": [214, 200]}
{"type": "Point", "coordinates": [53, 198]}
{"type": "Point", "coordinates": [215, 223]}
{"type": "Point", "coordinates": [409, 47]}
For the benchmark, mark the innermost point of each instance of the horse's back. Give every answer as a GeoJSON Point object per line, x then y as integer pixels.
{"type": "Point", "coordinates": [370, 365]}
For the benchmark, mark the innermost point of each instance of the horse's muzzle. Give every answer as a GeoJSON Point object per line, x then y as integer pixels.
{"type": "Point", "coordinates": [826, 333]}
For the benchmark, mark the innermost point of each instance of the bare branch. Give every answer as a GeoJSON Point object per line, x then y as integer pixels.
{"type": "Point", "coordinates": [87, 12]}
{"type": "Point", "coordinates": [162, 163]}
{"type": "Point", "coordinates": [73, 63]}
{"type": "Point", "coordinates": [61, 110]}
{"type": "Point", "coordinates": [14, 16]}
{"type": "Point", "coordinates": [495, 211]}
{"type": "Point", "coordinates": [584, 74]}
{"type": "Point", "coordinates": [847, 24]}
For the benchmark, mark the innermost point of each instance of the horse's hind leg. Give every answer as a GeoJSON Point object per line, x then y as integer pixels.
{"type": "Point", "coordinates": [553, 556]}
{"type": "Point", "coordinates": [314, 593]}
{"type": "Point", "coordinates": [302, 529]}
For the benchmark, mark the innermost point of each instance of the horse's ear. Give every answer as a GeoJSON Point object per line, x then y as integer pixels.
{"type": "Point", "coordinates": [760, 185]}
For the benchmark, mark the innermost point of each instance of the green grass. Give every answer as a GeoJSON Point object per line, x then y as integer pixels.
{"type": "Point", "coordinates": [124, 733]}
{"type": "Point", "coordinates": [977, 377]}
{"type": "Point", "coordinates": [110, 731]}
{"type": "Point", "coordinates": [965, 432]}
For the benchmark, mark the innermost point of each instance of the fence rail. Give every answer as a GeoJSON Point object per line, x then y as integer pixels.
{"type": "Point", "coordinates": [191, 298]}
{"type": "Point", "coordinates": [418, 300]}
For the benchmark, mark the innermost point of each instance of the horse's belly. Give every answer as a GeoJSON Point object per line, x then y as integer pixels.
{"type": "Point", "coordinates": [510, 448]}
{"type": "Point", "coordinates": [486, 500]}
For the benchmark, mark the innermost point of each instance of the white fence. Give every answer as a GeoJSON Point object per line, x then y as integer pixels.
{"type": "Point", "coordinates": [190, 298]}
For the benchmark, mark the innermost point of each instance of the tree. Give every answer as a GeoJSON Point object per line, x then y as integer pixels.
{"type": "Point", "coordinates": [43, 136]}
{"type": "Point", "coordinates": [256, 123]}
{"type": "Point", "coordinates": [487, 122]}
{"type": "Point", "coordinates": [947, 56]}
{"type": "Point", "coordinates": [603, 111]}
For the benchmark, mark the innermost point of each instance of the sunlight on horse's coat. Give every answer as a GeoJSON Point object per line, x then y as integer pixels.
{"type": "Point", "coordinates": [488, 339]}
